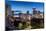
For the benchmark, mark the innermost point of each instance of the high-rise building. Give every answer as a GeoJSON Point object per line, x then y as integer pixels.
{"type": "Point", "coordinates": [39, 12]}
{"type": "Point", "coordinates": [34, 11]}
{"type": "Point", "coordinates": [9, 12]}
{"type": "Point", "coordinates": [27, 12]}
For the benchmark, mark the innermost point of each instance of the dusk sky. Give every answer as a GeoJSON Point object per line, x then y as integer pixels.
{"type": "Point", "coordinates": [26, 6]}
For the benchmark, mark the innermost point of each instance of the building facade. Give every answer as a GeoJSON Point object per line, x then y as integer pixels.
{"type": "Point", "coordinates": [9, 12]}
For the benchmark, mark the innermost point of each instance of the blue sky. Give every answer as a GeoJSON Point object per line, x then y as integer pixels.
{"type": "Point", "coordinates": [26, 6]}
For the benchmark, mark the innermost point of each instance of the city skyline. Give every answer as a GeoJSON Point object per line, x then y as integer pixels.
{"type": "Point", "coordinates": [21, 15]}
{"type": "Point", "coordinates": [26, 6]}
